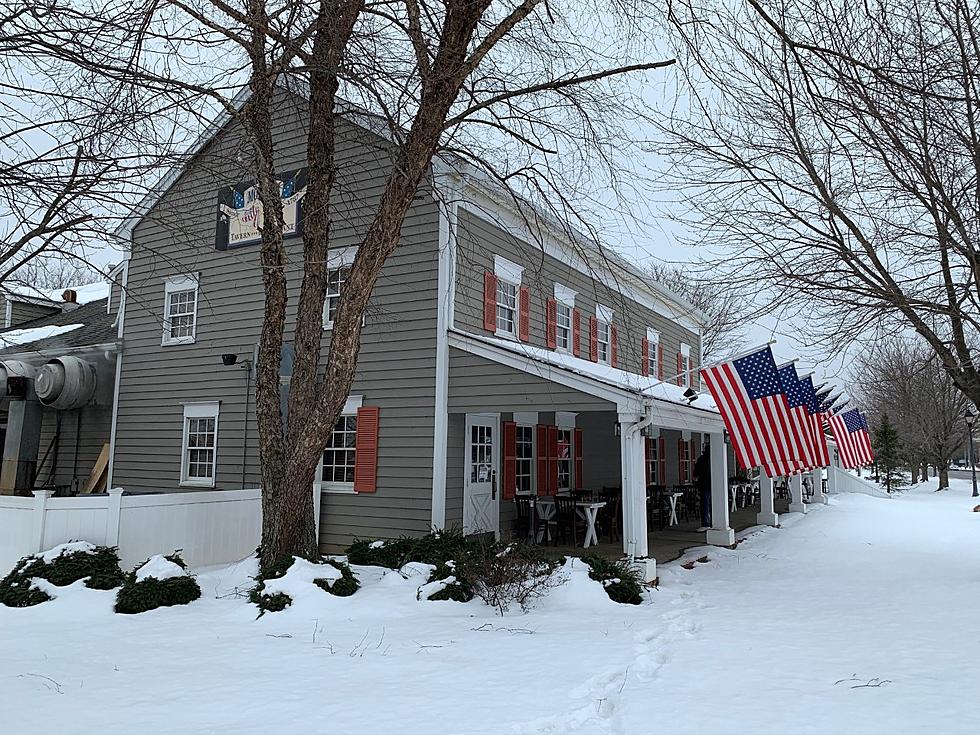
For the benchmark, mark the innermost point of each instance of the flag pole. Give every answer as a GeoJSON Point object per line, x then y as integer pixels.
{"type": "Point", "coordinates": [699, 368]}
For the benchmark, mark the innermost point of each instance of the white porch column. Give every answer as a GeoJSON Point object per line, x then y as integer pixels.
{"type": "Point", "coordinates": [796, 504]}
{"type": "Point", "coordinates": [767, 515]}
{"type": "Point", "coordinates": [635, 544]}
{"type": "Point", "coordinates": [816, 477]}
{"type": "Point", "coordinates": [832, 473]}
{"type": "Point", "coordinates": [720, 533]}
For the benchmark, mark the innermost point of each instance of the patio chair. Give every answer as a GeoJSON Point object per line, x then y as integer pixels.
{"type": "Point", "coordinates": [610, 517]}
{"type": "Point", "coordinates": [566, 520]}
{"type": "Point", "coordinates": [657, 505]}
{"type": "Point", "coordinates": [526, 515]}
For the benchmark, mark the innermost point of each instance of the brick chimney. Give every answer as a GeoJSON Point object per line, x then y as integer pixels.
{"type": "Point", "coordinates": [70, 296]}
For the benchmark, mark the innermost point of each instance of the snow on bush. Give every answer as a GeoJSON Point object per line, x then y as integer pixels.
{"type": "Point", "coordinates": [298, 579]}
{"type": "Point", "coordinates": [621, 582]}
{"type": "Point", "coordinates": [161, 581]}
{"type": "Point", "coordinates": [60, 566]}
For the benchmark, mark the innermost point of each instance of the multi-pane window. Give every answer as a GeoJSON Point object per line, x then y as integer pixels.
{"type": "Point", "coordinates": [340, 453]}
{"type": "Point", "coordinates": [653, 461]}
{"type": "Point", "coordinates": [603, 341]}
{"type": "Point", "coordinates": [684, 363]}
{"type": "Point", "coordinates": [685, 461]}
{"type": "Point", "coordinates": [564, 459]}
{"type": "Point", "coordinates": [180, 310]}
{"type": "Point", "coordinates": [335, 281]}
{"type": "Point", "coordinates": [653, 367]}
{"type": "Point", "coordinates": [506, 307]}
{"type": "Point", "coordinates": [481, 453]}
{"type": "Point", "coordinates": [525, 458]}
{"type": "Point", "coordinates": [563, 326]}
{"type": "Point", "coordinates": [200, 444]}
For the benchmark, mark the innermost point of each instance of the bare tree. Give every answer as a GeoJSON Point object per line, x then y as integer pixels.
{"type": "Point", "coordinates": [517, 89]}
{"type": "Point", "coordinates": [830, 151]}
{"type": "Point", "coordinates": [904, 380]}
{"type": "Point", "coordinates": [724, 309]}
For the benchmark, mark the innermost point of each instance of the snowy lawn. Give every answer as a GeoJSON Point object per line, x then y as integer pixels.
{"type": "Point", "coordinates": [862, 617]}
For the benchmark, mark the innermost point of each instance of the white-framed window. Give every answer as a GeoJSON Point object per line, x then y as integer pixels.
{"type": "Point", "coordinates": [653, 347]}
{"type": "Point", "coordinates": [180, 310]}
{"type": "Point", "coordinates": [335, 473]}
{"type": "Point", "coordinates": [564, 460]}
{"type": "Point", "coordinates": [525, 459]}
{"type": "Point", "coordinates": [685, 365]}
{"type": "Point", "coordinates": [564, 304]}
{"type": "Point", "coordinates": [509, 276]}
{"type": "Point", "coordinates": [339, 263]}
{"type": "Point", "coordinates": [604, 317]}
{"type": "Point", "coordinates": [653, 460]}
{"type": "Point", "coordinates": [199, 447]}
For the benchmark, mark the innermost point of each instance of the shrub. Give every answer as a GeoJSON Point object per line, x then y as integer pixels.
{"type": "Point", "coordinates": [97, 565]}
{"type": "Point", "coordinates": [141, 595]}
{"type": "Point", "coordinates": [433, 548]}
{"type": "Point", "coordinates": [457, 590]}
{"type": "Point", "coordinates": [505, 575]}
{"type": "Point", "coordinates": [620, 580]}
{"type": "Point", "coordinates": [346, 586]}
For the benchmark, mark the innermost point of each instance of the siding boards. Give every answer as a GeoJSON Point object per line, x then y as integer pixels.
{"type": "Point", "coordinates": [396, 369]}
{"type": "Point", "coordinates": [479, 240]}
{"type": "Point", "coordinates": [85, 430]}
{"type": "Point", "coordinates": [22, 312]}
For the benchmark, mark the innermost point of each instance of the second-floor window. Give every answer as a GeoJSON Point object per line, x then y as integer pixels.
{"type": "Point", "coordinates": [335, 281]}
{"type": "Point", "coordinates": [603, 339]}
{"type": "Point", "coordinates": [563, 326]}
{"type": "Point", "coordinates": [180, 310]}
{"type": "Point", "coordinates": [506, 307]}
{"type": "Point", "coordinates": [684, 366]}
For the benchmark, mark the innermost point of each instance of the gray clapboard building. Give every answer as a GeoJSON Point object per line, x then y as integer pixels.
{"type": "Point", "coordinates": [500, 355]}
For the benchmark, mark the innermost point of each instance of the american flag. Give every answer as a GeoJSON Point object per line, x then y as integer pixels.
{"type": "Point", "coordinates": [817, 418]}
{"type": "Point", "coordinates": [853, 440]}
{"type": "Point", "coordinates": [754, 409]}
{"type": "Point", "coordinates": [801, 425]}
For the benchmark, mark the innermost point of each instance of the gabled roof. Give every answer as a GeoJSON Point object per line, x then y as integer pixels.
{"type": "Point", "coordinates": [52, 333]}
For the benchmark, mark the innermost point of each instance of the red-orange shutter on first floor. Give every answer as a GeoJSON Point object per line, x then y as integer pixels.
{"type": "Point", "coordinates": [366, 450]}
{"type": "Point", "coordinates": [576, 332]}
{"type": "Point", "coordinates": [681, 469]}
{"type": "Point", "coordinates": [551, 323]}
{"type": "Point", "coordinates": [552, 460]}
{"type": "Point", "coordinates": [645, 357]}
{"type": "Point", "coordinates": [489, 301]}
{"type": "Point", "coordinates": [524, 314]}
{"type": "Point", "coordinates": [662, 459]}
{"type": "Point", "coordinates": [647, 451]}
{"type": "Point", "coordinates": [542, 447]}
{"type": "Point", "coordinates": [579, 464]}
{"type": "Point", "coordinates": [510, 459]}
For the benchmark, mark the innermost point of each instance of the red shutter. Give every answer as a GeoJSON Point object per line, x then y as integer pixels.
{"type": "Point", "coordinates": [680, 378]}
{"type": "Point", "coordinates": [576, 332]}
{"type": "Point", "coordinates": [579, 464]}
{"type": "Point", "coordinates": [613, 345]}
{"type": "Point", "coordinates": [489, 301]}
{"type": "Point", "coordinates": [524, 321]}
{"type": "Point", "coordinates": [366, 454]}
{"type": "Point", "coordinates": [662, 459]}
{"type": "Point", "coordinates": [695, 450]}
{"type": "Point", "coordinates": [542, 447]}
{"type": "Point", "coordinates": [593, 339]}
{"type": "Point", "coordinates": [647, 450]}
{"type": "Point", "coordinates": [551, 323]}
{"type": "Point", "coordinates": [510, 459]}
{"type": "Point", "coordinates": [645, 357]}
{"type": "Point", "coordinates": [552, 460]}
{"type": "Point", "coordinates": [660, 361]}
{"type": "Point", "coordinates": [681, 469]}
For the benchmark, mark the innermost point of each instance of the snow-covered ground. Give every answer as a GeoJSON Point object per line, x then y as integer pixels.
{"type": "Point", "coordinates": [862, 617]}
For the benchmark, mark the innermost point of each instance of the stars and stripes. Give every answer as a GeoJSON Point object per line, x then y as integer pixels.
{"type": "Point", "coordinates": [754, 408]}
{"type": "Point", "coordinates": [821, 452]}
{"type": "Point", "coordinates": [801, 424]}
{"type": "Point", "coordinates": [853, 439]}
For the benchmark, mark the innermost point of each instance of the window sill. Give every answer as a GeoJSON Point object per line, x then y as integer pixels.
{"type": "Point", "coordinates": [338, 489]}
{"type": "Point", "coordinates": [197, 483]}
{"type": "Point", "coordinates": [506, 335]}
{"type": "Point", "coordinates": [180, 341]}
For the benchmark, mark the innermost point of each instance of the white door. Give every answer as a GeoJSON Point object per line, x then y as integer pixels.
{"type": "Point", "coordinates": [481, 493]}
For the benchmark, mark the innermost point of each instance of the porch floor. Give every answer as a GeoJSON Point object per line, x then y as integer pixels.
{"type": "Point", "coordinates": [671, 542]}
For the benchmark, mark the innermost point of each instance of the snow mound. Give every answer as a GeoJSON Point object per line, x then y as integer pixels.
{"type": "Point", "coordinates": [71, 547]}
{"type": "Point", "coordinates": [160, 568]}
{"type": "Point", "coordinates": [297, 582]}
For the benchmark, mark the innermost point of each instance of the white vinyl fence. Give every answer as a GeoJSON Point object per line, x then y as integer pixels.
{"type": "Point", "coordinates": [210, 527]}
{"type": "Point", "coordinates": [846, 482]}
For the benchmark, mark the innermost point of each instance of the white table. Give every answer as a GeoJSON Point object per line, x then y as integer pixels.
{"type": "Point", "coordinates": [673, 508]}
{"type": "Point", "coordinates": [587, 509]}
{"type": "Point", "coordinates": [733, 497]}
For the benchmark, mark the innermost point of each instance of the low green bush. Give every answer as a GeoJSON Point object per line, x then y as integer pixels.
{"type": "Point", "coordinates": [459, 590]}
{"type": "Point", "coordinates": [98, 566]}
{"type": "Point", "coordinates": [621, 581]}
{"type": "Point", "coordinates": [142, 595]}
{"type": "Point", "coordinates": [433, 548]}
{"type": "Point", "coordinates": [346, 586]}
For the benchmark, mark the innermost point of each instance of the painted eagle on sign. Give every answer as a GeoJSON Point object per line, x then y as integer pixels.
{"type": "Point", "coordinates": [240, 211]}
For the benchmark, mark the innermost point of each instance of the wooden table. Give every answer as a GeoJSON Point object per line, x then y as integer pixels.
{"type": "Point", "coordinates": [587, 509]}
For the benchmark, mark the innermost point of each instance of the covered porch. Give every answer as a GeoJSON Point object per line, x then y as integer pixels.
{"type": "Point", "coordinates": [523, 425]}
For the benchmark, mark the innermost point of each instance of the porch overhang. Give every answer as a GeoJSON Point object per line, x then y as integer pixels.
{"type": "Point", "coordinates": [621, 389]}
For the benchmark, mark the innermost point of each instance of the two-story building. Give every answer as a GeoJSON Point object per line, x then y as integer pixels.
{"type": "Point", "coordinates": [502, 354]}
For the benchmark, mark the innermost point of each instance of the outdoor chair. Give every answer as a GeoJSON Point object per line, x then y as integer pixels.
{"type": "Point", "coordinates": [610, 517]}
{"type": "Point", "coordinates": [566, 520]}
{"type": "Point", "coordinates": [525, 518]}
{"type": "Point", "coordinates": [657, 505]}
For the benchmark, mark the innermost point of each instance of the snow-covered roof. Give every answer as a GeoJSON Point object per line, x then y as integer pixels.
{"type": "Point", "coordinates": [85, 294]}
{"type": "Point", "coordinates": [24, 336]}
{"type": "Point", "coordinates": [646, 387]}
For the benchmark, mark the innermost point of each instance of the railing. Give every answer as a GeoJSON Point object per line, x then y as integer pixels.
{"type": "Point", "coordinates": [209, 527]}
{"type": "Point", "coordinates": [845, 482]}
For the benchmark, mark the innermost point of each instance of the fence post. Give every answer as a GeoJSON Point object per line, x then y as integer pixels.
{"type": "Point", "coordinates": [40, 509]}
{"type": "Point", "coordinates": [113, 513]}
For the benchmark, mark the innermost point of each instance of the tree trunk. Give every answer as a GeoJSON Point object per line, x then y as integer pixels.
{"type": "Point", "coordinates": [915, 473]}
{"type": "Point", "coordinates": [943, 478]}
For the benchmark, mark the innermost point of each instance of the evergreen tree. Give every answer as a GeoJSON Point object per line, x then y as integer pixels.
{"type": "Point", "coordinates": [887, 453]}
